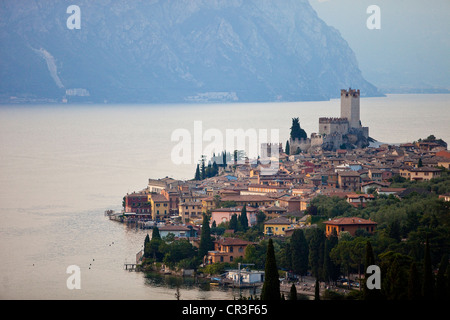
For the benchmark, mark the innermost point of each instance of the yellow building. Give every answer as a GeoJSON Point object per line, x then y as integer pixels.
{"type": "Point", "coordinates": [160, 206]}
{"type": "Point", "coordinates": [424, 173]}
{"type": "Point", "coordinates": [277, 226]}
{"type": "Point", "coordinates": [239, 200]}
{"type": "Point", "coordinates": [190, 210]}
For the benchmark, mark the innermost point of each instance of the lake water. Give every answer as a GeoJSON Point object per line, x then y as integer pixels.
{"type": "Point", "coordinates": [62, 166]}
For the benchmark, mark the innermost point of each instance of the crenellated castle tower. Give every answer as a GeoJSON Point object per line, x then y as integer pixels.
{"type": "Point", "coordinates": [335, 132]}
{"type": "Point", "coordinates": [350, 107]}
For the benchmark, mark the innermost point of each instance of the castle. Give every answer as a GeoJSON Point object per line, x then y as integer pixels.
{"type": "Point", "coordinates": [337, 133]}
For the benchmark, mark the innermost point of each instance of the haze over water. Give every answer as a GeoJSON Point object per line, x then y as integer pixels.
{"type": "Point", "coordinates": [62, 166]}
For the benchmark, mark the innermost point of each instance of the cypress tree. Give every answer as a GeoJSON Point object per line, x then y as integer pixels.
{"type": "Point", "coordinates": [299, 253]}
{"type": "Point", "coordinates": [215, 168]}
{"type": "Point", "coordinates": [413, 287]}
{"type": "Point", "coordinates": [368, 294]}
{"type": "Point", "coordinates": [203, 171]}
{"type": "Point", "coordinates": [243, 218]}
{"type": "Point", "coordinates": [293, 293]}
{"type": "Point", "coordinates": [271, 286]}
{"type": "Point", "coordinates": [155, 234]}
{"type": "Point", "coordinates": [197, 173]}
{"type": "Point", "coordinates": [146, 246]}
{"type": "Point", "coordinates": [327, 267]}
{"type": "Point", "coordinates": [287, 150]}
{"type": "Point", "coordinates": [206, 242]}
{"type": "Point", "coordinates": [441, 283]}
{"type": "Point", "coordinates": [316, 251]}
{"type": "Point", "coordinates": [317, 290]}
{"type": "Point", "coordinates": [233, 225]}
{"type": "Point", "coordinates": [428, 285]}
{"type": "Point", "coordinates": [447, 279]}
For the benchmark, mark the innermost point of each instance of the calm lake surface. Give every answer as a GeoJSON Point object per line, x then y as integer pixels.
{"type": "Point", "coordinates": [62, 166]}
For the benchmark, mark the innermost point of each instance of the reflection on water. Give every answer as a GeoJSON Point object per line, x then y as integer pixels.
{"type": "Point", "coordinates": [199, 284]}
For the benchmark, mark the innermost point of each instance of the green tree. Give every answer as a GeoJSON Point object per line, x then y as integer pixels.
{"type": "Point", "coordinates": [394, 230]}
{"type": "Point", "coordinates": [420, 163]}
{"type": "Point", "coordinates": [224, 159]}
{"type": "Point", "coordinates": [234, 223]}
{"type": "Point", "coordinates": [413, 283]}
{"type": "Point", "coordinates": [203, 168]}
{"type": "Point", "coordinates": [299, 253]}
{"type": "Point", "coordinates": [180, 251]}
{"type": "Point", "coordinates": [441, 282]}
{"type": "Point", "coordinates": [316, 250]}
{"type": "Point", "coordinates": [288, 148]}
{"type": "Point", "coordinates": [155, 233]}
{"type": "Point", "coordinates": [215, 169]}
{"type": "Point", "coordinates": [296, 131]}
{"type": "Point", "coordinates": [317, 290]}
{"type": "Point", "coordinates": [197, 173]}
{"type": "Point", "coordinates": [153, 248]}
{"type": "Point", "coordinates": [206, 241]}
{"type": "Point", "coordinates": [369, 294]}
{"type": "Point", "coordinates": [293, 293]}
{"type": "Point", "coordinates": [428, 282]}
{"type": "Point", "coordinates": [243, 218]}
{"type": "Point", "coordinates": [395, 273]}
{"type": "Point", "coordinates": [271, 286]}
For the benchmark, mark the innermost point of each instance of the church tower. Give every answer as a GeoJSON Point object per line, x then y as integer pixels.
{"type": "Point", "coordinates": [350, 107]}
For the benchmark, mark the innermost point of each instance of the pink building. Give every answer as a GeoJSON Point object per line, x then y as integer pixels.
{"type": "Point", "coordinates": [224, 215]}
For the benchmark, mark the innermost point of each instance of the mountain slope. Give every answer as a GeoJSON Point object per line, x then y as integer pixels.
{"type": "Point", "coordinates": [174, 51]}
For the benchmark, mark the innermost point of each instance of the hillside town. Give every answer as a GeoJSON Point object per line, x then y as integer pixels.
{"type": "Point", "coordinates": [280, 203]}
{"type": "Point", "coordinates": [285, 196]}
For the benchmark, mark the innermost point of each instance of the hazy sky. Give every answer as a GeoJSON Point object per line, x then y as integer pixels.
{"type": "Point", "coordinates": [412, 48]}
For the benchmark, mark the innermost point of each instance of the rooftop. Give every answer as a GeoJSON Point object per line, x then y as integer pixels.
{"type": "Point", "coordinates": [350, 221]}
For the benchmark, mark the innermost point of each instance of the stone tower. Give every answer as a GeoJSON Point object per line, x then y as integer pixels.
{"type": "Point", "coordinates": [350, 107]}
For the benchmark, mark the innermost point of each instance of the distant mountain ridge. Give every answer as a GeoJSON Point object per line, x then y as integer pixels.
{"type": "Point", "coordinates": [173, 51]}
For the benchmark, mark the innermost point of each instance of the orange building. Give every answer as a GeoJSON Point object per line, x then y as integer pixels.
{"type": "Point", "coordinates": [349, 224]}
{"type": "Point", "coordinates": [226, 250]}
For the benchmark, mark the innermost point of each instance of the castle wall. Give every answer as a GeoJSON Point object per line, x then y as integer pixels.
{"type": "Point", "coordinates": [303, 144]}
{"type": "Point", "coordinates": [333, 125]}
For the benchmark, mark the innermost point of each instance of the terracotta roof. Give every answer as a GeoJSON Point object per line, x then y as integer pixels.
{"type": "Point", "coordinates": [158, 197]}
{"type": "Point", "coordinates": [232, 242]}
{"type": "Point", "coordinates": [173, 228]}
{"type": "Point", "coordinates": [349, 173]}
{"type": "Point", "coordinates": [243, 198]}
{"type": "Point", "coordinates": [425, 169]}
{"type": "Point", "coordinates": [350, 221]}
{"type": "Point", "coordinates": [279, 220]}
